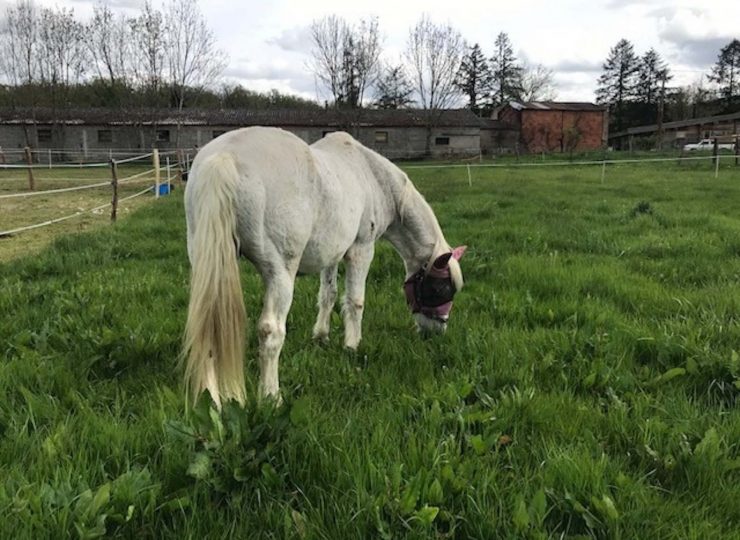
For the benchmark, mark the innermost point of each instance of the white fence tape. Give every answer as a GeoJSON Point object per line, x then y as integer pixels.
{"type": "Point", "coordinates": [51, 191]}
{"type": "Point", "coordinates": [561, 163]}
{"type": "Point", "coordinates": [135, 158]}
{"type": "Point", "coordinates": [70, 216]}
{"type": "Point", "coordinates": [72, 165]}
{"type": "Point", "coordinates": [135, 176]}
{"type": "Point", "coordinates": [75, 188]}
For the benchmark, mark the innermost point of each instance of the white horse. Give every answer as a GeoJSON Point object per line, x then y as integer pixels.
{"type": "Point", "coordinates": [289, 207]}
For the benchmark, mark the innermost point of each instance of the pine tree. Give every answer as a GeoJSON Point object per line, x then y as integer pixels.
{"type": "Point", "coordinates": [474, 78]}
{"type": "Point", "coordinates": [617, 83]}
{"type": "Point", "coordinates": [348, 94]}
{"type": "Point", "coordinates": [507, 73]}
{"type": "Point", "coordinates": [393, 89]}
{"type": "Point", "coordinates": [652, 74]}
{"type": "Point", "coordinates": [726, 72]}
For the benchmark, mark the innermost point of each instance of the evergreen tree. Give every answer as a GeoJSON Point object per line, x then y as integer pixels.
{"type": "Point", "coordinates": [474, 78]}
{"type": "Point", "coordinates": [726, 72]}
{"type": "Point", "coordinates": [617, 83]}
{"type": "Point", "coordinates": [349, 88]}
{"type": "Point", "coordinates": [393, 89]}
{"type": "Point", "coordinates": [652, 74]}
{"type": "Point", "coordinates": [507, 73]}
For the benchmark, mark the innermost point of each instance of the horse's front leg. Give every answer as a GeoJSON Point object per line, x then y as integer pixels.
{"type": "Point", "coordinates": [357, 260]}
{"type": "Point", "coordinates": [278, 298]}
{"type": "Point", "coordinates": [327, 298]}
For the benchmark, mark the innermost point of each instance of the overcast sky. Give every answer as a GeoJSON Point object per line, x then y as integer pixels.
{"type": "Point", "coordinates": [268, 42]}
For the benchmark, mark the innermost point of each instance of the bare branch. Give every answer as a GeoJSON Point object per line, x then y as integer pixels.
{"type": "Point", "coordinates": [345, 58]}
{"type": "Point", "coordinates": [537, 84]}
{"type": "Point", "coordinates": [433, 54]}
{"type": "Point", "coordinates": [148, 47]}
{"type": "Point", "coordinates": [193, 60]}
{"type": "Point", "coordinates": [19, 43]}
{"type": "Point", "coordinates": [109, 42]}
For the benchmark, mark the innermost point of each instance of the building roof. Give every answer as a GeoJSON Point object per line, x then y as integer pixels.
{"type": "Point", "coordinates": [651, 128]}
{"type": "Point", "coordinates": [493, 123]}
{"type": "Point", "coordinates": [241, 117]}
{"type": "Point", "coordinates": [555, 106]}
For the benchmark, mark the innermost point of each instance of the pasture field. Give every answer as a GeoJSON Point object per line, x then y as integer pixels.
{"type": "Point", "coordinates": [587, 386]}
{"type": "Point", "coordinates": [18, 212]}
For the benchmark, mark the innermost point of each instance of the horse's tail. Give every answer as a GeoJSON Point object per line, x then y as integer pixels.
{"type": "Point", "coordinates": [215, 329]}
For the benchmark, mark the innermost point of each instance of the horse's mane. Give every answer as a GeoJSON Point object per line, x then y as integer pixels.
{"type": "Point", "coordinates": [408, 193]}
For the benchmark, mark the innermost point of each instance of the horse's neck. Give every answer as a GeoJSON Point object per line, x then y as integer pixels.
{"type": "Point", "coordinates": [415, 232]}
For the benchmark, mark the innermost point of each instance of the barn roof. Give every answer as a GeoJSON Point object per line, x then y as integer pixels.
{"type": "Point", "coordinates": [556, 106]}
{"type": "Point", "coordinates": [240, 117]}
{"type": "Point", "coordinates": [678, 124]}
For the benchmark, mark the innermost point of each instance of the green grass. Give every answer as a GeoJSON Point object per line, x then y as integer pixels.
{"type": "Point", "coordinates": [24, 211]}
{"type": "Point", "coordinates": [587, 386]}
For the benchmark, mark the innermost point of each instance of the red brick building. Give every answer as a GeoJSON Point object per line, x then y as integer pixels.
{"type": "Point", "coordinates": [550, 126]}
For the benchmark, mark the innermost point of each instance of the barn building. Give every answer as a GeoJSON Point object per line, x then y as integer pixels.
{"type": "Point", "coordinates": [550, 126]}
{"type": "Point", "coordinates": [678, 133]}
{"type": "Point", "coordinates": [397, 134]}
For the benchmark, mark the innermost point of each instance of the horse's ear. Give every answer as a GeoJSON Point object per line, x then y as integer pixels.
{"type": "Point", "coordinates": [442, 261]}
{"type": "Point", "coordinates": [458, 252]}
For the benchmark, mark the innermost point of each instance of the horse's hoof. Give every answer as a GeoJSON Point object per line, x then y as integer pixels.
{"type": "Point", "coordinates": [321, 337]}
{"type": "Point", "coordinates": [272, 400]}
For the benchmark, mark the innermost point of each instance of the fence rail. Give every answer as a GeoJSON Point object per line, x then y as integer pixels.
{"type": "Point", "coordinates": [114, 182]}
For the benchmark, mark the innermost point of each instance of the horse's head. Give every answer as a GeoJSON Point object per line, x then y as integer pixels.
{"type": "Point", "coordinates": [430, 291]}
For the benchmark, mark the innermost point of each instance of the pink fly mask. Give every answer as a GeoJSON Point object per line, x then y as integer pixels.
{"type": "Point", "coordinates": [430, 290]}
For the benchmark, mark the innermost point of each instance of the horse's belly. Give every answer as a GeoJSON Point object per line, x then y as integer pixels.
{"type": "Point", "coordinates": [329, 241]}
{"type": "Point", "coordinates": [320, 254]}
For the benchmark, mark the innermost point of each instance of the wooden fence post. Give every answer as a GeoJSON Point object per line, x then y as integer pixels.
{"type": "Point", "coordinates": [2, 156]}
{"type": "Point", "coordinates": [180, 161]}
{"type": "Point", "coordinates": [737, 151]}
{"type": "Point", "coordinates": [114, 184]}
{"type": "Point", "coordinates": [716, 166]}
{"type": "Point", "coordinates": [29, 160]}
{"type": "Point", "coordinates": [157, 175]}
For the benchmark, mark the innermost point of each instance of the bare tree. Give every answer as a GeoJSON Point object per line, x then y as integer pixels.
{"type": "Point", "coordinates": [62, 52]}
{"type": "Point", "coordinates": [571, 137]}
{"type": "Point", "coordinates": [433, 55]}
{"type": "Point", "coordinates": [19, 36]}
{"type": "Point", "coordinates": [148, 49]}
{"type": "Point", "coordinates": [108, 39]}
{"type": "Point", "coordinates": [345, 58]}
{"type": "Point", "coordinates": [537, 83]}
{"type": "Point", "coordinates": [193, 60]}
{"type": "Point", "coordinates": [18, 53]}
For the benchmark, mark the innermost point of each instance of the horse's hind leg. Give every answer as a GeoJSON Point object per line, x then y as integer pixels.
{"type": "Point", "coordinates": [357, 260]}
{"type": "Point", "coordinates": [327, 298]}
{"type": "Point", "coordinates": [278, 297]}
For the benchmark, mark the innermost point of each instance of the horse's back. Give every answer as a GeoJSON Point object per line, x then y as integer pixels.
{"type": "Point", "coordinates": [310, 203]}
{"type": "Point", "coordinates": [273, 196]}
